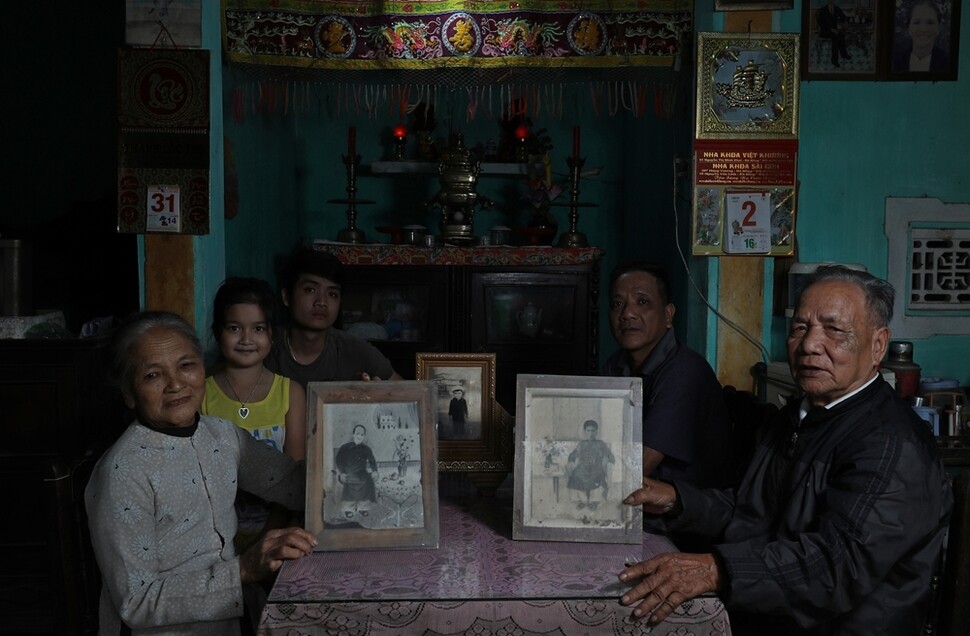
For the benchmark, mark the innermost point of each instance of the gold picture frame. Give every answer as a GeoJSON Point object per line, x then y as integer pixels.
{"type": "Point", "coordinates": [372, 480]}
{"type": "Point", "coordinates": [481, 442]}
{"type": "Point", "coordinates": [747, 86]}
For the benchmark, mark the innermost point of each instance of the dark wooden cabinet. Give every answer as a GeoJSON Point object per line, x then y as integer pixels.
{"type": "Point", "coordinates": [535, 308]}
{"type": "Point", "coordinates": [56, 413]}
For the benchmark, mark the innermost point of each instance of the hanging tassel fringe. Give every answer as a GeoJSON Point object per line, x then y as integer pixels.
{"type": "Point", "coordinates": [398, 101]}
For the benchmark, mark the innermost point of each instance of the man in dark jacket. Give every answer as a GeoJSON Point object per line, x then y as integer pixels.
{"type": "Point", "coordinates": [686, 430]}
{"type": "Point", "coordinates": [838, 523]}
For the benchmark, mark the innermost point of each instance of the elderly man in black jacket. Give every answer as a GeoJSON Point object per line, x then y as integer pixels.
{"type": "Point", "coordinates": [838, 523]}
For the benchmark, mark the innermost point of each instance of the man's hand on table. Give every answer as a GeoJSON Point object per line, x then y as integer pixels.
{"type": "Point", "coordinates": [667, 581]}
{"type": "Point", "coordinates": [267, 555]}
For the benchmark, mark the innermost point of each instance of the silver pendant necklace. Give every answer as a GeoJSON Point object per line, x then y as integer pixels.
{"type": "Point", "coordinates": [243, 409]}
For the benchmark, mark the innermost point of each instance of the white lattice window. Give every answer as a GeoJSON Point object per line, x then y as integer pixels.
{"type": "Point", "coordinates": [929, 265]}
{"type": "Point", "coordinates": [940, 269]}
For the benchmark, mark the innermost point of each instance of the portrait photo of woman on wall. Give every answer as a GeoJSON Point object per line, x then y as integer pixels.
{"type": "Point", "coordinates": [925, 38]}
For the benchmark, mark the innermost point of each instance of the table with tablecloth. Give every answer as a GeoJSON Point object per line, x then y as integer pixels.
{"type": "Point", "coordinates": [478, 581]}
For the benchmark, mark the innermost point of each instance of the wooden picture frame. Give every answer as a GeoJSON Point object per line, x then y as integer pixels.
{"type": "Point", "coordinates": [934, 26]}
{"type": "Point", "coordinates": [476, 443]}
{"type": "Point", "coordinates": [844, 41]}
{"type": "Point", "coordinates": [747, 86]}
{"type": "Point", "coordinates": [578, 454]}
{"type": "Point", "coordinates": [378, 490]}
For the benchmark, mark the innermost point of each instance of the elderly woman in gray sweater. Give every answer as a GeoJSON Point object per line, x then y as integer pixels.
{"type": "Point", "coordinates": [160, 501]}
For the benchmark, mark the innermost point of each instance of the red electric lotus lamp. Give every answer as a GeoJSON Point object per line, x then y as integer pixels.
{"type": "Point", "coordinates": [521, 135]}
{"type": "Point", "coordinates": [400, 141]}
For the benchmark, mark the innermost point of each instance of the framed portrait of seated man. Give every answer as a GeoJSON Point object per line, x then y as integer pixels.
{"type": "Point", "coordinates": [578, 454]}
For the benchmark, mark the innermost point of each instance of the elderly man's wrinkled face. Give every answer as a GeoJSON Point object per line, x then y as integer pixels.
{"type": "Point", "coordinates": [167, 381]}
{"type": "Point", "coordinates": [834, 347]}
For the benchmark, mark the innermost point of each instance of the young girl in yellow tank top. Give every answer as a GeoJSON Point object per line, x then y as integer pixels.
{"type": "Point", "coordinates": [243, 391]}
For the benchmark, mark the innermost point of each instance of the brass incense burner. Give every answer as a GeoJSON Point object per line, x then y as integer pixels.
{"type": "Point", "coordinates": [458, 174]}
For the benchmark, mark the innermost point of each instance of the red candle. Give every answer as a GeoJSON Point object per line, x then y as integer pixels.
{"type": "Point", "coordinates": [400, 131]}
{"type": "Point", "coordinates": [522, 132]}
{"type": "Point", "coordinates": [576, 142]}
{"type": "Point", "coordinates": [352, 142]}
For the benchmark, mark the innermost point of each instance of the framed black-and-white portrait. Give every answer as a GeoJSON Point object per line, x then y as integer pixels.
{"type": "Point", "coordinates": [578, 454]}
{"type": "Point", "coordinates": [372, 480]}
{"type": "Point", "coordinates": [472, 433]}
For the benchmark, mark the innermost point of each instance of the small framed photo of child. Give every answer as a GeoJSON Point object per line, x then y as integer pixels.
{"type": "Point", "coordinates": [474, 433]}
{"type": "Point", "coordinates": [372, 480]}
{"type": "Point", "coordinates": [578, 454]}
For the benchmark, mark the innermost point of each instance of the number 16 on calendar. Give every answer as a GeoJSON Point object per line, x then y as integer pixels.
{"type": "Point", "coordinates": [164, 209]}
{"type": "Point", "coordinates": [748, 227]}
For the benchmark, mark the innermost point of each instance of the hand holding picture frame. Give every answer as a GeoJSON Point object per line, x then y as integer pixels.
{"type": "Point", "coordinates": [372, 480]}
{"type": "Point", "coordinates": [578, 454]}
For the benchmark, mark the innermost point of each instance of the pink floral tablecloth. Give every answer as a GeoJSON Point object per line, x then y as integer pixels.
{"type": "Point", "coordinates": [478, 581]}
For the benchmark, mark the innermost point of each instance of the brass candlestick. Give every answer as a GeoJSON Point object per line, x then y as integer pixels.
{"type": "Point", "coordinates": [573, 237]}
{"type": "Point", "coordinates": [400, 145]}
{"type": "Point", "coordinates": [351, 234]}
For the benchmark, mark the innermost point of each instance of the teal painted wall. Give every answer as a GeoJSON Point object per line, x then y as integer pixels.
{"type": "Point", "coordinates": [861, 142]}
{"type": "Point", "coordinates": [210, 250]}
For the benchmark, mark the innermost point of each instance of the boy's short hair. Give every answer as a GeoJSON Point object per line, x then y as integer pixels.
{"type": "Point", "coordinates": [306, 260]}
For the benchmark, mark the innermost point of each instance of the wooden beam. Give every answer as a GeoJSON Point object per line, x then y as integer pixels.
{"type": "Point", "coordinates": [170, 274]}
{"type": "Point", "coordinates": [741, 289]}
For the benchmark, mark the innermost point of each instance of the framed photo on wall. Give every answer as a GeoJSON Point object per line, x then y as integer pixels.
{"type": "Point", "coordinates": [470, 431]}
{"type": "Point", "coordinates": [747, 86]}
{"type": "Point", "coordinates": [925, 40]}
{"type": "Point", "coordinates": [578, 454]}
{"type": "Point", "coordinates": [843, 39]}
{"type": "Point", "coordinates": [372, 480]}
{"type": "Point", "coordinates": [896, 40]}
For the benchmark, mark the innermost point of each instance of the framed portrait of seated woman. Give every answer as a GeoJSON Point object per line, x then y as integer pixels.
{"type": "Point", "coordinates": [372, 480]}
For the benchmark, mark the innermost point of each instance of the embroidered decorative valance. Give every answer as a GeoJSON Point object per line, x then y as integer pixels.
{"type": "Point", "coordinates": [469, 34]}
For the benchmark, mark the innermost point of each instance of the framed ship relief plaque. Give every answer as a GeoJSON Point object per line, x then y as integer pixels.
{"type": "Point", "coordinates": [747, 86]}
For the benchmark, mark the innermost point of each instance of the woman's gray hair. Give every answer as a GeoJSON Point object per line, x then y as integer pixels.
{"type": "Point", "coordinates": [880, 295]}
{"type": "Point", "coordinates": [131, 331]}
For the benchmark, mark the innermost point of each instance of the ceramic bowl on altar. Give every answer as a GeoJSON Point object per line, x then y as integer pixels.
{"type": "Point", "coordinates": [413, 234]}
